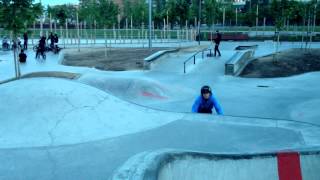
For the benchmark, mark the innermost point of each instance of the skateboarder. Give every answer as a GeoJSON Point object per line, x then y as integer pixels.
{"type": "Point", "coordinates": [206, 101]}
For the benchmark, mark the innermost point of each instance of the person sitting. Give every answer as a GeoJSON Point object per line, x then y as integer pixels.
{"type": "Point", "coordinates": [5, 43]}
{"type": "Point", "coordinates": [205, 102]}
{"type": "Point", "coordinates": [22, 56]}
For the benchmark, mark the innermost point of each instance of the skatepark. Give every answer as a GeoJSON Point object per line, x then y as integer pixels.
{"type": "Point", "coordinates": [72, 122]}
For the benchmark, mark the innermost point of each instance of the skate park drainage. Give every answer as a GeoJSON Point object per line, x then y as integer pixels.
{"type": "Point", "coordinates": [262, 86]}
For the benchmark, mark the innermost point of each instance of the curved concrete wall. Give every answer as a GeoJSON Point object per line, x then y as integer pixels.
{"type": "Point", "coordinates": [171, 165]}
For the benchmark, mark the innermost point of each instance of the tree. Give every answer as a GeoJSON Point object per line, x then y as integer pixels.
{"type": "Point", "coordinates": [107, 12]}
{"type": "Point", "coordinates": [15, 16]}
{"type": "Point", "coordinates": [159, 12]}
{"type": "Point", "coordinates": [276, 14]}
{"type": "Point", "coordinates": [230, 14]}
{"type": "Point", "coordinates": [194, 11]}
{"type": "Point", "coordinates": [211, 11]}
{"type": "Point", "coordinates": [139, 12]}
{"type": "Point", "coordinates": [127, 9]}
{"type": "Point", "coordinates": [88, 11]}
{"type": "Point", "coordinates": [182, 11]}
{"type": "Point", "coordinates": [171, 8]}
{"type": "Point", "coordinates": [61, 13]}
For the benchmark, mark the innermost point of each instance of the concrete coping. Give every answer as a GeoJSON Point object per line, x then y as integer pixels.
{"type": "Point", "coordinates": [55, 74]}
{"type": "Point", "coordinates": [148, 60]}
{"type": "Point", "coordinates": [148, 165]}
{"type": "Point", "coordinates": [254, 47]}
{"type": "Point", "coordinates": [158, 54]}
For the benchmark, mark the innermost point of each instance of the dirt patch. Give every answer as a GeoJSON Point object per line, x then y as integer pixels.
{"type": "Point", "coordinates": [283, 64]}
{"type": "Point", "coordinates": [116, 59]}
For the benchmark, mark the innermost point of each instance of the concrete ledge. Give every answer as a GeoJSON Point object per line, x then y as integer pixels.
{"type": "Point", "coordinates": [253, 47]}
{"type": "Point", "coordinates": [238, 61]}
{"type": "Point", "coordinates": [172, 164]}
{"type": "Point", "coordinates": [148, 60]}
{"type": "Point", "coordinates": [55, 74]}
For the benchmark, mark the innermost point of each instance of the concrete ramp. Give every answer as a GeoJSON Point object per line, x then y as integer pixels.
{"type": "Point", "coordinates": [169, 165]}
{"type": "Point", "coordinates": [137, 89]}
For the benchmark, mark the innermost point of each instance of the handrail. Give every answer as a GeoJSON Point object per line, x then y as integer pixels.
{"type": "Point", "coordinates": [194, 58]}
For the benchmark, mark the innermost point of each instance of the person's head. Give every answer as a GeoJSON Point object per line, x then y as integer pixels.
{"type": "Point", "coordinates": [217, 31]}
{"type": "Point", "coordinates": [21, 50]}
{"type": "Point", "coordinates": [206, 92]}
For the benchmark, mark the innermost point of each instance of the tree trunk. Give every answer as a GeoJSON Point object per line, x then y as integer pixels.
{"type": "Point", "coordinates": [16, 63]}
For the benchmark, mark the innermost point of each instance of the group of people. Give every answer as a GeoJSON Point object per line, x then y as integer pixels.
{"type": "Point", "coordinates": [54, 39]}
{"type": "Point", "coordinates": [6, 44]}
{"type": "Point", "coordinates": [41, 46]}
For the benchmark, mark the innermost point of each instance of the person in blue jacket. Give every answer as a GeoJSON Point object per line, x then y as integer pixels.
{"type": "Point", "coordinates": [205, 102]}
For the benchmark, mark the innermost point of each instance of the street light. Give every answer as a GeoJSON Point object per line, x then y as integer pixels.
{"type": "Point", "coordinates": [199, 21]}
{"type": "Point", "coordinates": [150, 23]}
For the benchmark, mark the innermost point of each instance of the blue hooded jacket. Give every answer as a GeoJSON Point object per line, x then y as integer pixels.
{"type": "Point", "coordinates": [202, 105]}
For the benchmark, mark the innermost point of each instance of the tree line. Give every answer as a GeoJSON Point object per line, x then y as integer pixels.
{"type": "Point", "coordinates": [20, 14]}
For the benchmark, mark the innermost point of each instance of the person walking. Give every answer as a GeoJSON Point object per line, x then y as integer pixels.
{"type": "Point", "coordinates": [217, 41]}
{"type": "Point", "coordinates": [206, 102]}
{"type": "Point", "coordinates": [25, 43]}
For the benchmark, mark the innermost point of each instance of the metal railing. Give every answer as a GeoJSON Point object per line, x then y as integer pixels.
{"type": "Point", "coordinates": [194, 57]}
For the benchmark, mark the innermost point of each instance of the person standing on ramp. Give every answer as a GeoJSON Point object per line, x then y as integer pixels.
{"type": "Point", "coordinates": [217, 41]}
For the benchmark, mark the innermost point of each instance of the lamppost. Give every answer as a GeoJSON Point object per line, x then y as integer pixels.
{"type": "Point", "coordinates": [150, 23]}
{"type": "Point", "coordinates": [199, 22]}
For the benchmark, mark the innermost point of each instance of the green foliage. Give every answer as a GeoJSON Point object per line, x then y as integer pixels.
{"type": "Point", "coordinates": [139, 12]}
{"type": "Point", "coordinates": [16, 15]}
{"type": "Point", "coordinates": [136, 9]}
{"type": "Point", "coordinates": [194, 11]}
{"type": "Point", "coordinates": [108, 13]}
{"type": "Point", "coordinates": [230, 15]}
{"type": "Point", "coordinates": [88, 12]}
{"type": "Point", "coordinates": [62, 13]}
{"type": "Point", "coordinates": [178, 11]}
{"type": "Point", "coordinates": [159, 12]}
{"type": "Point", "coordinates": [248, 18]}
{"type": "Point", "coordinates": [102, 12]}
{"type": "Point", "coordinates": [211, 11]}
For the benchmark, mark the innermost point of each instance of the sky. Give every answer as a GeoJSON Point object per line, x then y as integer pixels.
{"type": "Point", "coordinates": [56, 2]}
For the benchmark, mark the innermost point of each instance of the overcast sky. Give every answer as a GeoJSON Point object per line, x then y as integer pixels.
{"type": "Point", "coordinates": [55, 2]}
